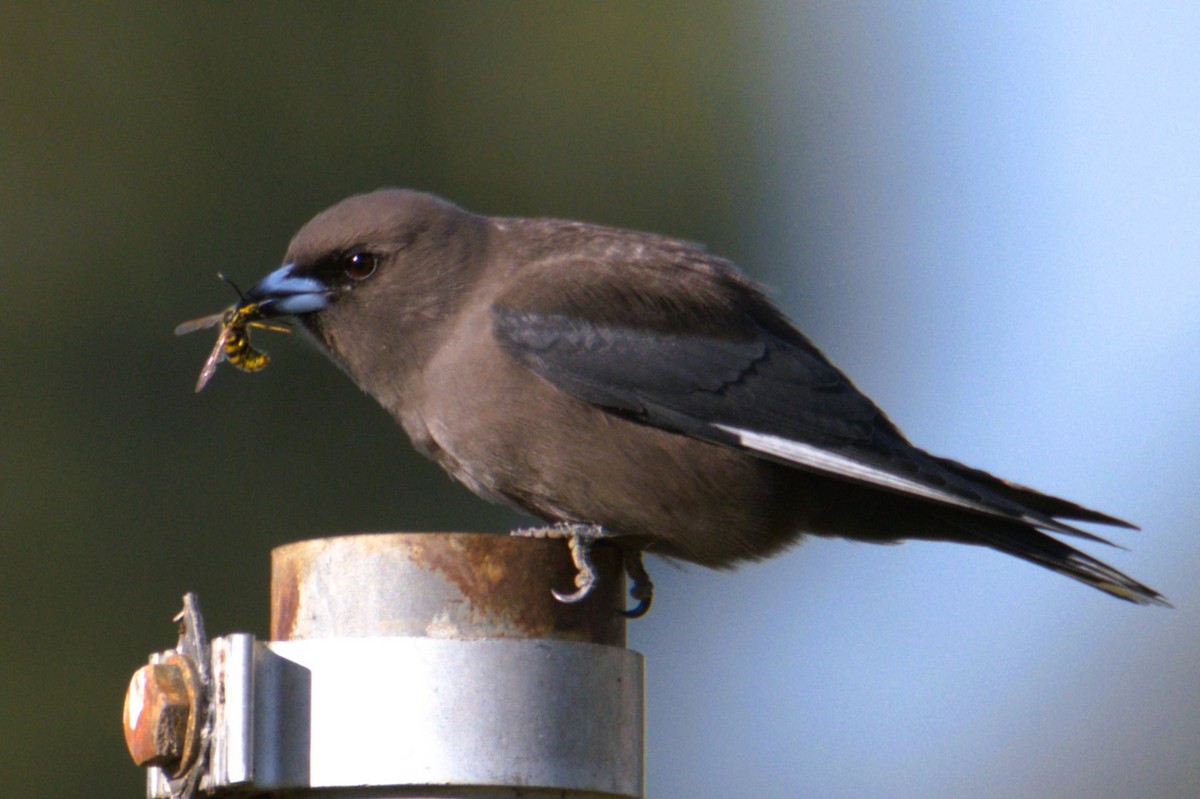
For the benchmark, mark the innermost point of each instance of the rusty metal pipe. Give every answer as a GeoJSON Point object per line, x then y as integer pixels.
{"type": "Point", "coordinates": [463, 586]}
{"type": "Point", "coordinates": [420, 665]}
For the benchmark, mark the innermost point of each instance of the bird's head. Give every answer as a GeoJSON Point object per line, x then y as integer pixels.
{"type": "Point", "coordinates": [388, 237]}
{"type": "Point", "coordinates": [372, 276]}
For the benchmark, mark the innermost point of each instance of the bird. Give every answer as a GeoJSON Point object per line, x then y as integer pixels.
{"type": "Point", "coordinates": [633, 388]}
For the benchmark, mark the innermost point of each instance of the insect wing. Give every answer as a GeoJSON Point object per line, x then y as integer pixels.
{"type": "Point", "coordinates": [214, 358]}
{"type": "Point", "coordinates": [202, 323]}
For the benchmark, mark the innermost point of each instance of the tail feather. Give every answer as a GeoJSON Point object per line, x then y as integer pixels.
{"type": "Point", "coordinates": [1036, 547]}
{"type": "Point", "coordinates": [1053, 507]}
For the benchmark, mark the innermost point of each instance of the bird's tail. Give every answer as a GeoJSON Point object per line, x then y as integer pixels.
{"type": "Point", "coordinates": [1031, 544]}
{"type": "Point", "coordinates": [1056, 508]}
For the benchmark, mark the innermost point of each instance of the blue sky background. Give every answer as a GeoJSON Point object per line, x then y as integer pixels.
{"type": "Point", "coordinates": [998, 218]}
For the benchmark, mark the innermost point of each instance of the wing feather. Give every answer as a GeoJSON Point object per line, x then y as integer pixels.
{"type": "Point", "coordinates": [727, 368]}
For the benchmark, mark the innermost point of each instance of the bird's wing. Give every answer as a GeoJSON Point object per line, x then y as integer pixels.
{"type": "Point", "coordinates": [713, 359]}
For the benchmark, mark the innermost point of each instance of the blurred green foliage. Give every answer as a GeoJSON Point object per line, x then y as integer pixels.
{"type": "Point", "coordinates": [146, 146]}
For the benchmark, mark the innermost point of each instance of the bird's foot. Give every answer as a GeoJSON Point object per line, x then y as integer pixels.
{"type": "Point", "coordinates": [580, 538]}
{"type": "Point", "coordinates": [640, 586]}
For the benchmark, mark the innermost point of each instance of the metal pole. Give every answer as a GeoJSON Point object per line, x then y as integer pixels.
{"type": "Point", "coordinates": [413, 665]}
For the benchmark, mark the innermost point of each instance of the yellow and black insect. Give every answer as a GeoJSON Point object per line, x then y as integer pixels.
{"type": "Point", "coordinates": [233, 342]}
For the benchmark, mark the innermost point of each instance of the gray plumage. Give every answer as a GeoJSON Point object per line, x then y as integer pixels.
{"type": "Point", "coordinates": [592, 375]}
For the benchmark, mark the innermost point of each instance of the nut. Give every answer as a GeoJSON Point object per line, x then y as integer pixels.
{"type": "Point", "coordinates": [160, 716]}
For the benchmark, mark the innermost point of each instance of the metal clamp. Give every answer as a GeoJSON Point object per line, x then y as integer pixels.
{"type": "Point", "coordinates": [366, 715]}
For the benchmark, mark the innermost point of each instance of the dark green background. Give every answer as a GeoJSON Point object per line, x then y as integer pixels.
{"type": "Point", "coordinates": [147, 146]}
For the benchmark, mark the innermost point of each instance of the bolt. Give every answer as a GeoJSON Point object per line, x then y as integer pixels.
{"type": "Point", "coordinates": [158, 715]}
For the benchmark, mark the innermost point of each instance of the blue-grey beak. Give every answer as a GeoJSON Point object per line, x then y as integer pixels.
{"type": "Point", "coordinates": [284, 293]}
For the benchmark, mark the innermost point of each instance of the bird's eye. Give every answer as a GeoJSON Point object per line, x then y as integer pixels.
{"type": "Point", "coordinates": [360, 265]}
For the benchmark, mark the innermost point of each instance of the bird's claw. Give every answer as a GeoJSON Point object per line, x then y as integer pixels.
{"type": "Point", "coordinates": [580, 538]}
{"type": "Point", "coordinates": [585, 582]}
{"type": "Point", "coordinates": [640, 586]}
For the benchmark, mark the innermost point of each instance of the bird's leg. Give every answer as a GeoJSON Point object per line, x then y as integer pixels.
{"type": "Point", "coordinates": [580, 538]}
{"type": "Point", "coordinates": [640, 586]}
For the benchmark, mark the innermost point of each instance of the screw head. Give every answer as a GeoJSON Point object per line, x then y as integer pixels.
{"type": "Point", "coordinates": [160, 716]}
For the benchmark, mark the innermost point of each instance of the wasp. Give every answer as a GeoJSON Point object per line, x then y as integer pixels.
{"type": "Point", "coordinates": [233, 342]}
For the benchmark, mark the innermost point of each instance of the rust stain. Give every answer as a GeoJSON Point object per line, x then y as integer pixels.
{"type": "Point", "coordinates": [496, 586]}
{"type": "Point", "coordinates": [285, 592]}
{"type": "Point", "coordinates": [507, 583]}
{"type": "Point", "coordinates": [163, 716]}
